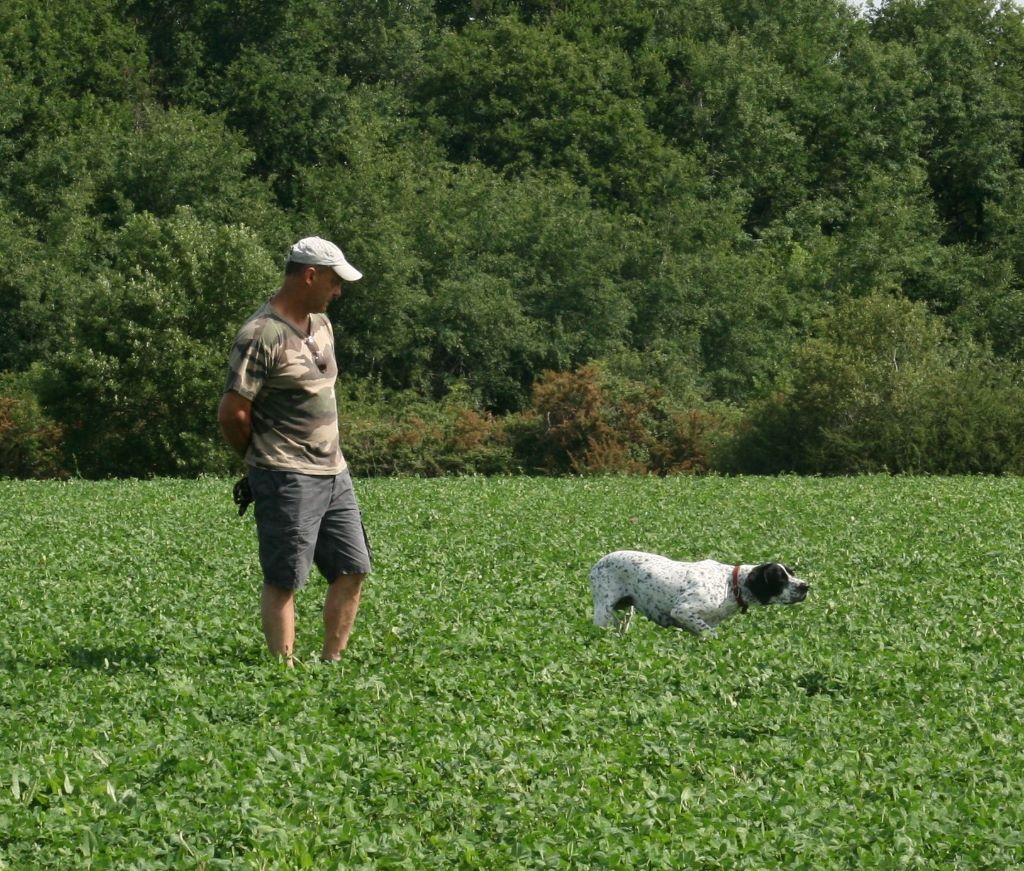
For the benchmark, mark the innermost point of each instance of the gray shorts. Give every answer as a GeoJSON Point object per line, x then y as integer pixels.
{"type": "Point", "coordinates": [306, 519]}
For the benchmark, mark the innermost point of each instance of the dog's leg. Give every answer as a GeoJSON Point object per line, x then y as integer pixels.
{"type": "Point", "coordinates": [604, 615]}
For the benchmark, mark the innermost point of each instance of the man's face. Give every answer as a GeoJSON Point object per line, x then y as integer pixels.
{"type": "Point", "coordinates": [324, 288]}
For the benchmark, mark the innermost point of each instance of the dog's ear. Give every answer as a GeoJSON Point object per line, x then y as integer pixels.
{"type": "Point", "coordinates": [767, 581]}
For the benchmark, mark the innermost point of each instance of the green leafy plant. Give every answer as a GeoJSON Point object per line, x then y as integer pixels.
{"type": "Point", "coordinates": [479, 720]}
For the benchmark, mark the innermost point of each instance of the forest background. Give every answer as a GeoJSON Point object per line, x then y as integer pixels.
{"type": "Point", "coordinates": [598, 235]}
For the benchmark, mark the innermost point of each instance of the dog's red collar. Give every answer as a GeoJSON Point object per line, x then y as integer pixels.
{"type": "Point", "coordinates": [736, 589]}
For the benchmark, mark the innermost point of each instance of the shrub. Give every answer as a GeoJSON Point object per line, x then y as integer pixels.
{"type": "Point", "coordinates": [978, 420]}
{"type": "Point", "coordinates": [591, 422]}
{"type": "Point", "coordinates": [564, 424]}
{"type": "Point", "coordinates": [403, 434]}
{"type": "Point", "coordinates": [585, 422]}
{"type": "Point", "coordinates": [883, 386]}
{"type": "Point", "coordinates": [137, 384]}
{"type": "Point", "coordinates": [30, 442]}
{"type": "Point", "coordinates": [691, 440]}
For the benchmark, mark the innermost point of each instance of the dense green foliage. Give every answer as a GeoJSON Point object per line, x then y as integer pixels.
{"type": "Point", "coordinates": [682, 194]}
{"type": "Point", "coordinates": [479, 719]}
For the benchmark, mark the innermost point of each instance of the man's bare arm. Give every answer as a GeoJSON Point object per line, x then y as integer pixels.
{"type": "Point", "coordinates": [235, 418]}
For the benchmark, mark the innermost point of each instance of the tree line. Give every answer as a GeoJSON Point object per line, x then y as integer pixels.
{"type": "Point", "coordinates": [597, 235]}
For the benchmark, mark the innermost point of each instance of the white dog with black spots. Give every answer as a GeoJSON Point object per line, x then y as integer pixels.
{"type": "Point", "coordinates": [695, 596]}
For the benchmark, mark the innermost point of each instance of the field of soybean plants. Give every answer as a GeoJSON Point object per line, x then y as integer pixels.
{"type": "Point", "coordinates": [479, 719]}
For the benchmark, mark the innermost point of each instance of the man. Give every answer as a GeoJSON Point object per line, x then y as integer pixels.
{"type": "Point", "coordinates": [279, 412]}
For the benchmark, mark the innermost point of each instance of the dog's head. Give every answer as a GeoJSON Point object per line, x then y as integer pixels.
{"type": "Point", "coordinates": [775, 584]}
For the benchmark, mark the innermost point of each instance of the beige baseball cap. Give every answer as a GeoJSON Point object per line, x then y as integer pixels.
{"type": "Point", "coordinates": [319, 252]}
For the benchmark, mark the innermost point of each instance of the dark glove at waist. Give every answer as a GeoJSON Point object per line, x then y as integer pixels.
{"type": "Point", "coordinates": [242, 494]}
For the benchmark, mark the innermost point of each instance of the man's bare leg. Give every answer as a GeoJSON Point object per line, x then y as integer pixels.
{"type": "Point", "coordinates": [277, 608]}
{"type": "Point", "coordinates": [340, 609]}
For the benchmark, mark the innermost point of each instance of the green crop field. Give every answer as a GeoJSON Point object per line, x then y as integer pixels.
{"type": "Point", "coordinates": [479, 719]}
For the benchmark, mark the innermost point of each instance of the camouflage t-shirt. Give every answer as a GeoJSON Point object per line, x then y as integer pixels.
{"type": "Point", "coordinates": [294, 411]}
